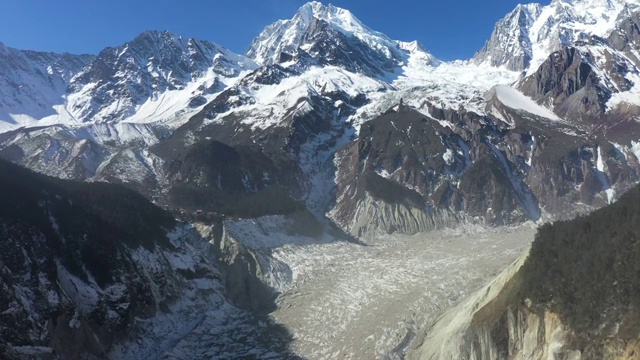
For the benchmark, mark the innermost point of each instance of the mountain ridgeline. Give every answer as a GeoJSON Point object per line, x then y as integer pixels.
{"type": "Point", "coordinates": [304, 117]}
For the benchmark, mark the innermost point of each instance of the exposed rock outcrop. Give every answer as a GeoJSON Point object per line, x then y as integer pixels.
{"type": "Point", "coordinates": [409, 172]}
{"type": "Point", "coordinates": [627, 34]}
{"type": "Point", "coordinates": [509, 44]}
{"type": "Point", "coordinates": [567, 83]}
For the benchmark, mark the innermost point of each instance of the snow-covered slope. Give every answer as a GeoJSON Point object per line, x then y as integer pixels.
{"type": "Point", "coordinates": [157, 77]}
{"type": "Point", "coordinates": [152, 78]}
{"type": "Point", "coordinates": [269, 105]}
{"type": "Point", "coordinates": [33, 86]}
{"type": "Point", "coordinates": [514, 99]}
{"type": "Point", "coordinates": [449, 85]}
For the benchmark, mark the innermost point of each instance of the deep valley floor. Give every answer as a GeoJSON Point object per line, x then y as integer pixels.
{"type": "Point", "coordinates": [350, 301]}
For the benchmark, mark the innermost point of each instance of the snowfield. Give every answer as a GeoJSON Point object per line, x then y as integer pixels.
{"type": "Point", "coordinates": [516, 100]}
{"type": "Point", "coordinates": [352, 301]}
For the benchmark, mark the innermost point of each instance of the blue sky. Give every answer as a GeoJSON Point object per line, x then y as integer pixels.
{"type": "Point", "coordinates": [450, 29]}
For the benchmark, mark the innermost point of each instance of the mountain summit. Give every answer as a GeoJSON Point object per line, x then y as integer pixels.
{"type": "Point", "coordinates": [329, 35]}
{"type": "Point", "coordinates": [525, 37]}
{"type": "Point", "coordinates": [124, 78]}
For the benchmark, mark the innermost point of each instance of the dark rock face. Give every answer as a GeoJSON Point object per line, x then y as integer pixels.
{"type": "Point", "coordinates": [579, 84]}
{"type": "Point", "coordinates": [566, 167]}
{"type": "Point", "coordinates": [567, 82]}
{"type": "Point", "coordinates": [75, 243]}
{"type": "Point", "coordinates": [627, 34]}
{"type": "Point", "coordinates": [240, 181]}
{"type": "Point", "coordinates": [429, 175]}
{"type": "Point", "coordinates": [267, 75]}
{"type": "Point", "coordinates": [408, 173]}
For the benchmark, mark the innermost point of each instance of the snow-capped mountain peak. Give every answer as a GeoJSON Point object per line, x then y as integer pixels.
{"type": "Point", "coordinates": [329, 35]}
{"type": "Point", "coordinates": [525, 37]}
{"type": "Point", "coordinates": [586, 4]}
{"type": "Point", "coordinates": [140, 72]}
{"type": "Point", "coordinates": [411, 46]}
{"type": "Point", "coordinates": [337, 16]}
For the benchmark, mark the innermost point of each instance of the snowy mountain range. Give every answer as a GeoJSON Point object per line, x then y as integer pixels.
{"type": "Point", "coordinates": [143, 113]}
{"type": "Point", "coordinates": [324, 127]}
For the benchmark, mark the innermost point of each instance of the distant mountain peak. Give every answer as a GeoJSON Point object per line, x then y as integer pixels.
{"type": "Point", "coordinates": [523, 39]}
{"type": "Point", "coordinates": [329, 35]}
{"type": "Point", "coordinates": [155, 34]}
{"type": "Point", "coordinates": [336, 16]}
{"type": "Point", "coordinates": [412, 46]}
{"type": "Point", "coordinates": [163, 37]}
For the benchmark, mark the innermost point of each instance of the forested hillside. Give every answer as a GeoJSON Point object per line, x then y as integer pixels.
{"type": "Point", "coordinates": [588, 270]}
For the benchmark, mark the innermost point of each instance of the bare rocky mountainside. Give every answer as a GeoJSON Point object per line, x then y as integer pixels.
{"type": "Point", "coordinates": [326, 131]}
